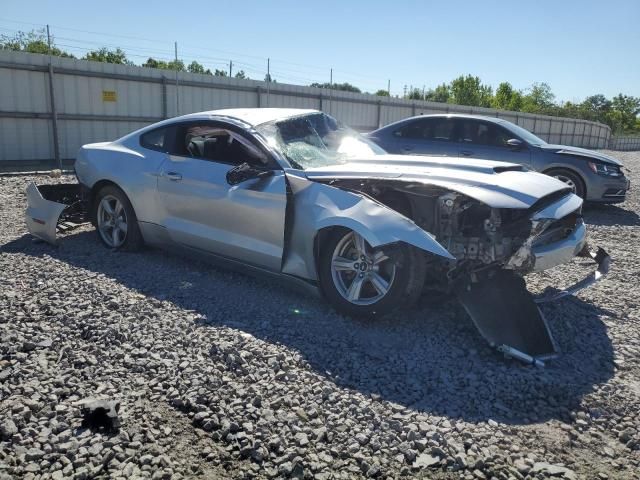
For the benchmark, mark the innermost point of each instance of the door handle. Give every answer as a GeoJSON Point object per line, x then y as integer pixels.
{"type": "Point", "coordinates": [407, 148]}
{"type": "Point", "coordinates": [466, 153]}
{"type": "Point", "coordinates": [174, 176]}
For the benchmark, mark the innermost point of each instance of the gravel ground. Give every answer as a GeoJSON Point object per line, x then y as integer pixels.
{"type": "Point", "coordinates": [221, 375]}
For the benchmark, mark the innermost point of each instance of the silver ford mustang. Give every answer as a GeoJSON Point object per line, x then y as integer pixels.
{"type": "Point", "coordinates": [297, 194]}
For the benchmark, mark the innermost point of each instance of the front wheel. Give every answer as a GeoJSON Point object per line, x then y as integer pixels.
{"type": "Point", "coordinates": [572, 179]}
{"type": "Point", "coordinates": [361, 281]}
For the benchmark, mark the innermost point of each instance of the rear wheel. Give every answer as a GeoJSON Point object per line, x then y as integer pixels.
{"type": "Point", "coordinates": [359, 280]}
{"type": "Point", "coordinates": [572, 179]}
{"type": "Point", "coordinates": [116, 221]}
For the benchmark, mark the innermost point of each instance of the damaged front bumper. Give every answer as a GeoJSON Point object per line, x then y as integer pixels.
{"type": "Point", "coordinates": [603, 263]}
{"type": "Point", "coordinates": [508, 316]}
{"type": "Point", "coordinates": [500, 305]}
{"type": "Point", "coordinates": [54, 208]}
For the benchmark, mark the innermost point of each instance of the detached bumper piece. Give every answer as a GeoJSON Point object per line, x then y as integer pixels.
{"type": "Point", "coordinates": [603, 262]}
{"type": "Point", "coordinates": [54, 208]}
{"type": "Point", "coordinates": [506, 315]}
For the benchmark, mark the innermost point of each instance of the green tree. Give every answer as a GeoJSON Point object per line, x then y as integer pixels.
{"type": "Point", "coordinates": [195, 67]}
{"type": "Point", "coordinates": [624, 113]}
{"type": "Point", "coordinates": [176, 65]}
{"type": "Point", "coordinates": [161, 64]}
{"type": "Point", "coordinates": [34, 41]}
{"type": "Point", "coordinates": [382, 93]}
{"type": "Point", "coordinates": [219, 73]}
{"type": "Point", "coordinates": [539, 99]}
{"type": "Point", "coordinates": [345, 87]}
{"type": "Point", "coordinates": [469, 90]}
{"type": "Point", "coordinates": [108, 56]}
{"type": "Point", "coordinates": [241, 74]}
{"type": "Point", "coordinates": [507, 98]}
{"type": "Point", "coordinates": [595, 107]}
{"type": "Point", "coordinates": [415, 94]}
{"type": "Point", "coordinates": [441, 94]}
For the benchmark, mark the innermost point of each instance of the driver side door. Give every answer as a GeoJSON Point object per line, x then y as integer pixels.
{"type": "Point", "coordinates": [488, 141]}
{"type": "Point", "coordinates": [200, 210]}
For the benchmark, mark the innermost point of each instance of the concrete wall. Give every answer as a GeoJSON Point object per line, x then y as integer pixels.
{"type": "Point", "coordinates": [625, 143]}
{"type": "Point", "coordinates": [142, 96]}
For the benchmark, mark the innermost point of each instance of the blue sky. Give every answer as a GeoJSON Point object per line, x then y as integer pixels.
{"type": "Point", "coordinates": [578, 47]}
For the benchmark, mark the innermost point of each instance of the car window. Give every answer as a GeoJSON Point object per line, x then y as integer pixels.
{"type": "Point", "coordinates": [155, 139]}
{"type": "Point", "coordinates": [483, 133]}
{"type": "Point", "coordinates": [208, 141]}
{"type": "Point", "coordinates": [418, 129]}
{"type": "Point", "coordinates": [428, 129]}
{"type": "Point", "coordinates": [443, 129]}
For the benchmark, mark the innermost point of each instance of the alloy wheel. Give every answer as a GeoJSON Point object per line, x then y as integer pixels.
{"type": "Point", "coordinates": [567, 180]}
{"type": "Point", "coordinates": [362, 276]}
{"type": "Point", "coordinates": [112, 221]}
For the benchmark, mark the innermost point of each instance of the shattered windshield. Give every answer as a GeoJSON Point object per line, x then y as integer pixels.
{"type": "Point", "coordinates": [317, 140]}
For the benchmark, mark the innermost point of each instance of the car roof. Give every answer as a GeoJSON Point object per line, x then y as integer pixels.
{"type": "Point", "coordinates": [251, 116]}
{"type": "Point", "coordinates": [452, 115]}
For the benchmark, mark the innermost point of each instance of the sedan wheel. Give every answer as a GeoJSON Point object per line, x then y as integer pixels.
{"type": "Point", "coordinates": [361, 276]}
{"type": "Point", "coordinates": [567, 180]}
{"type": "Point", "coordinates": [571, 179]}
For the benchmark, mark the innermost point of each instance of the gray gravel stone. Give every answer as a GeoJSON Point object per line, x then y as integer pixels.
{"type": "Point", "coordinates": [218, 372]}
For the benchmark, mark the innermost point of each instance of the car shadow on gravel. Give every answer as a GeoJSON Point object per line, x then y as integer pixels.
{"type": "Point", "coordinates": [429, 359]}
{"type": "Point", "coordinates": [609, 215]}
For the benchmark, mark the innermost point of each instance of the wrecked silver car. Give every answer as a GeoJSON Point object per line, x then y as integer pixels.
{"type": "Point", "coordinates": [296, 193]}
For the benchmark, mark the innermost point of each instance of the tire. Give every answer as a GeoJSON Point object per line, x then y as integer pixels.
{"type": "Point", "coordinates": [401, 268]}
{"type": "Point", "coordinates": [571, 178]}
{"type": "Point", "coordinates": [116, 222]}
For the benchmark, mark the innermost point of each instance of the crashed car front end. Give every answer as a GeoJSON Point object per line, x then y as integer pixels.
{"type": "Point", "coordinates": [491, 287]}
{"type": "Point", "coordinates": [492, 248]}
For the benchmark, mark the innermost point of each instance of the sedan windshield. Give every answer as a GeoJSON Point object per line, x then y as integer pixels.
{"type": "Point", "coordinates": [526, 135]}
{"type": "Point", "coordinates": [317, 140]}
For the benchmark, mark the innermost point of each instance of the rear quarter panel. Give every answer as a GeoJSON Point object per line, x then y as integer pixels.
{"type": "Point", "coordinates": [134, 170]}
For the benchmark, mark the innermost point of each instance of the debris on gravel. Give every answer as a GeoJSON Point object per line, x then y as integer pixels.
{"type": "Point", "coordinates": [221, 375]}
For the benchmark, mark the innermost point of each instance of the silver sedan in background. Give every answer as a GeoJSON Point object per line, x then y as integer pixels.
{"type": "Point", "coordinates": [594, 176]}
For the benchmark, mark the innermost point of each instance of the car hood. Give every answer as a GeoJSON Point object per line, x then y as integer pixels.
{"type": "Point", "coordinates": [580, 152]}
{"type": "Point", "coordinates": [497, 184]}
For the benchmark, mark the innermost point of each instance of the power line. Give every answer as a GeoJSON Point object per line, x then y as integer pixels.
{"type": "Point", "coordinates": [306, 73]}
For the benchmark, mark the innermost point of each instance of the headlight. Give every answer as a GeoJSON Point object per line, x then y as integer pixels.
{"type": "Point", "coordinates": [605, 169]}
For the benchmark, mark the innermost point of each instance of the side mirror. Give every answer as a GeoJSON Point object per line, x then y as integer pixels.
{"type": "Point", "coordinates": [244, 172]}
{"type": "Point", "coordinates": [515, 143]}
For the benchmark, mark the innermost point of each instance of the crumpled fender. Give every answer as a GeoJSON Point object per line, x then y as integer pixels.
{"type": "Point", "coordinates": [318, 205]}
{"type": "Point", "coordinates": [42, 215]}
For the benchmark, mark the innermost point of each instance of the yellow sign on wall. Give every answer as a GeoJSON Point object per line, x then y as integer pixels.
{"type": "Point", "coordinates": [109, 96]}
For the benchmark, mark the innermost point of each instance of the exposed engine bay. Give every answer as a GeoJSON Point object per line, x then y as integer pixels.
{"type": "Point", "coordinates": [474, 233]}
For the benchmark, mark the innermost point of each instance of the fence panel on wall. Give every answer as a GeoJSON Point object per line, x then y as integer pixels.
{"type": "Point", "coordinates": [625, 143]}
{"type": "Point", "coordinates": [100, 102]}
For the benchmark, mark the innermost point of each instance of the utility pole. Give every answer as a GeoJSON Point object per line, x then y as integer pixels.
{"type": "Point", "coordinates": [423, 92]}
{"type": "Point", "coordinates": [175, 45]}
{"type": "Point", "coordinates": [268, 78]}
{"type": "Point", "coordinates": [230, 68]}
{"type": "Point", "coordinates": [389, 88]}
{"type": "Point", "coordinates": [330, 88]}
{"type": "Point", "coordinates": [54, 112]}
{"type": "Point", "coordinates": [405, 91]}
